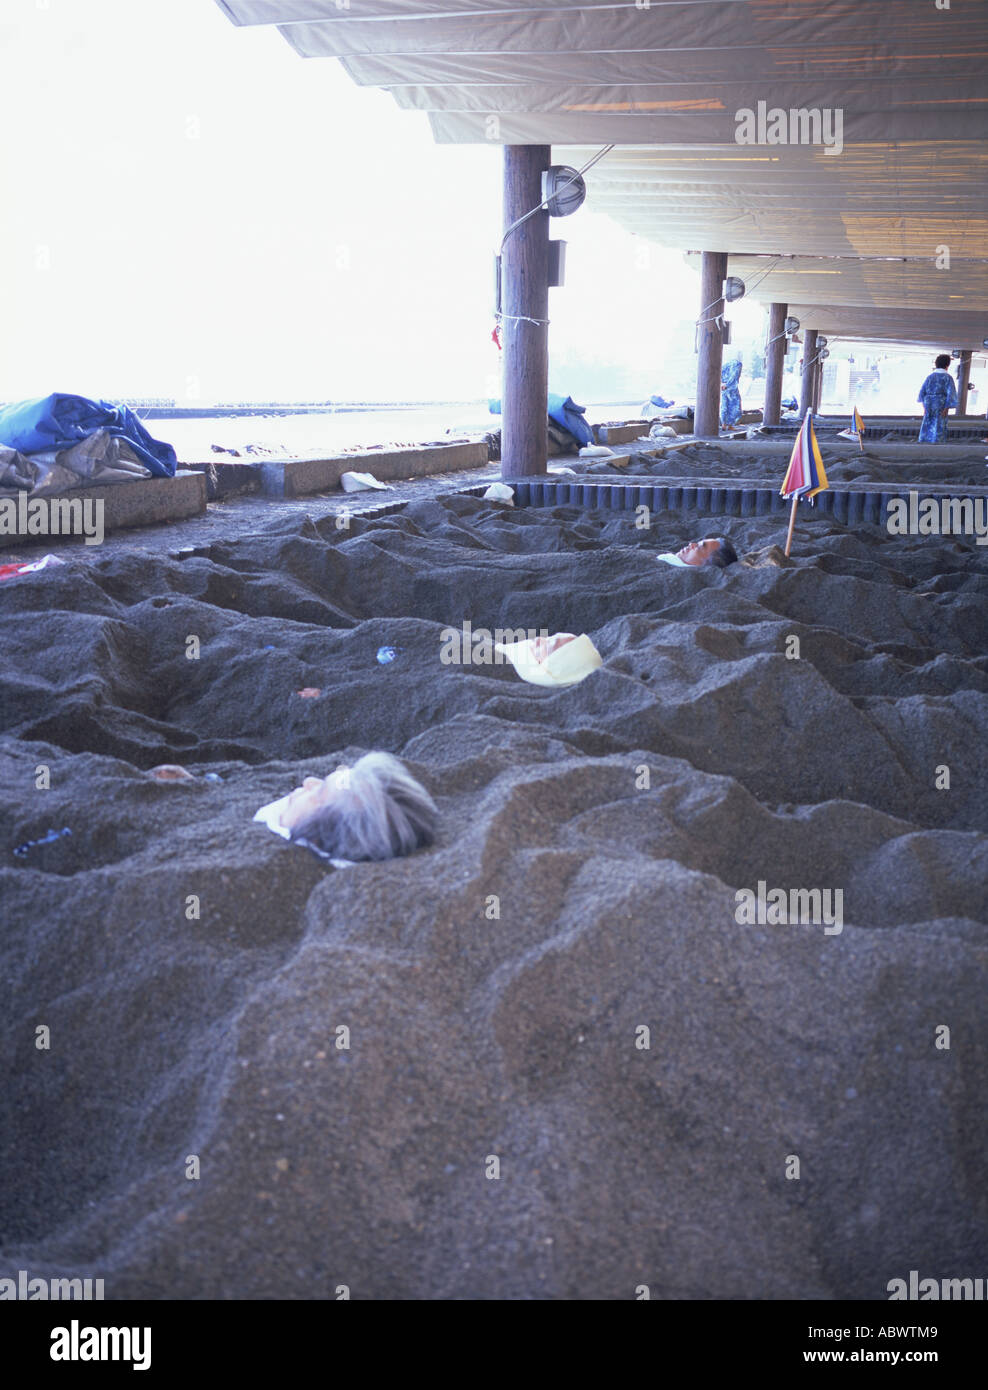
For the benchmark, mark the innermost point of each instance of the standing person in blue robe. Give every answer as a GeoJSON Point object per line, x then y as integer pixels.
{"type": "Point", "coordinates": [937, 395]}
{"type": "Point", "coordinates": [730, 396]}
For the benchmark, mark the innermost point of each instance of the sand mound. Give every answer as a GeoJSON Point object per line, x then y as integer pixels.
{"type": "Point", "coordinates": [582, 888]}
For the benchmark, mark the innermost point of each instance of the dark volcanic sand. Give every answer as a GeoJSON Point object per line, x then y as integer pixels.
{"type": "Point", "coordinates": [513, 1037]}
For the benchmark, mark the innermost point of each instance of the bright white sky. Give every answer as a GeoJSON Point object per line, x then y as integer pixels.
{"type": "Point", "coordinates": [191, 207]}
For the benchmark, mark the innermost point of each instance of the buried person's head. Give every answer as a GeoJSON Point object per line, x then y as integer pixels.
{"type": "Point", "coordinates": [371, 811]}
{"type": "Point", "coordinates": [714, 550]}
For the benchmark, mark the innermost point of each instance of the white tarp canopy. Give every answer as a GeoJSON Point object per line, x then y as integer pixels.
{"type": "Point", "coordinates": [295, 11]}
{"type": "Point", "coordinates": [940, 331]}
{"type": "Point", "coordinates": [859, 283]}
{"type": "Point", "coordinates": [664, 84]}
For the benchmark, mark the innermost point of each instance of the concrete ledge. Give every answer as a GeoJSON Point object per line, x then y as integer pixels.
{"type": "Point", "coordinates": [228, 479]}
{"type": "Point", "coordinates": [882, 451]}
{"type": "Point", "coordinates": [297, 477]}
{"type": "Point", "coordinates": [142, 502]}
{"type": "Point", "coordinates": [621, 434]}
{"type": "Point", "coordinates": [889, 451]}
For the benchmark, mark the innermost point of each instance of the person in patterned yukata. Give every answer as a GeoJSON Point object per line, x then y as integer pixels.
{"type": "Point", "coordinates": [730, 396]}
{"type": "Point", "coordinates": [937, 395]}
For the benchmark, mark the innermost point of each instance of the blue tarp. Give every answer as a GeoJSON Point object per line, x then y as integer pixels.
{"type": "Point", "coordinates": [564, 411]}
{"type": "Point", "coordinates": [661, 402]}
{"type": "Point", "coordinates": [58, 421]}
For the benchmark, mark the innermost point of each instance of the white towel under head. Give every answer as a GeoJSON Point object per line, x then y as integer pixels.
{"type": "Point", "coordinates": [270, 816]}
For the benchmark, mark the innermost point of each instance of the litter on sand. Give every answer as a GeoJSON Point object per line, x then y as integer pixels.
{"type": "Point", "coordinates": [360, 482]}
{"type": "Point", "coordinates": [500, 492]}
{"type": "Point", "coordinates": [8, 571]}
{"type": "Point", "coordinates": [170, 772]}
{"type": "Point", "coordinates": [23, 850]}
{"type": "Point", "coordinates": [173, 772]}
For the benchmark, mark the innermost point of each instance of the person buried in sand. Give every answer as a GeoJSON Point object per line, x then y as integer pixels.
{"type": "Point", "coordinates": [715, 551]}
{"type": "Point", "coordinates": [374, 810]}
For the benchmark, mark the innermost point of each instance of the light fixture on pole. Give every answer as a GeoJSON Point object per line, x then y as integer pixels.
{"type": "Point", "coordinates": [563, 190]}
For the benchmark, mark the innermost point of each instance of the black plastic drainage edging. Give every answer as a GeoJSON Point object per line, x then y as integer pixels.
{"type": "Point", "coordinates": [373, 513]}
{"type": "Point", "coordinates": [852, 508]}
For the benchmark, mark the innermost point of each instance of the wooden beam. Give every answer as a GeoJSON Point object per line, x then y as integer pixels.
{"type": "Point", "coordinates": [963, 381]}
{"type": "Point", "coordinates": [808, 385]}
{"type": "Point", "coordinates": [710, 342]}
{"type": "Point", "coordinates": [524, 297]}
{"type": "Point", "coordinates": [775, 362]}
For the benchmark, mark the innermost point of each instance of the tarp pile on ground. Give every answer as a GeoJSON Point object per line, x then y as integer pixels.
{"type": "Point", "coordinates": [567, 423]}
{"type": "Point", "coordinates": [59, 442]}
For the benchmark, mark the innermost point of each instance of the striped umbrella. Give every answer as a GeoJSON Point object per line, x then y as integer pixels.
{"type": "Point", "coordinates": [856, 430]}
{"type": "Point", "coordinates": [805, 476]}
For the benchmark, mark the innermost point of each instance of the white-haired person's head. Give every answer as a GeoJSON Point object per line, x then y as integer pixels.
{"type": "Point", "coordinates": [714, 552]}
{"type": "Point", "coordinates": [373, 810]}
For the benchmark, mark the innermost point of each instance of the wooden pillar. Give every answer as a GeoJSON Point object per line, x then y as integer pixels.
{"type": "Point", "coordinates": [775, 362]}
{"type": "Point", "coordinates": [710, 342]}
{"type": "Point", "coordinates": [808, 384]}
{"type": "Point", "coordinates": [818, 388]}
{"type": "Point", "coordinates": [963, 381]}
{"type": "Point", "coordinates": [525, 295]}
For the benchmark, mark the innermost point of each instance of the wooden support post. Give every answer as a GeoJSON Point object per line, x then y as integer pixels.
{"type": "Point", "coordinates": [818, 388]}
{"type": "Point", "coordinates": [808, 384]}
{"type": "Point", "coordinates": [775, 360]}
{"type": "Point", "coordinates": [963, 381]}
{"type": "Point", "coordinates": [710, 344]}
{"type": "Point", "coordinates": [525, 296]}
{"type": "Point", "coordinates": [792, 524]}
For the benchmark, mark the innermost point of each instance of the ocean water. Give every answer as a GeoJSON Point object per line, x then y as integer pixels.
{"type": "Point", "coordinates": [300, 435]}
